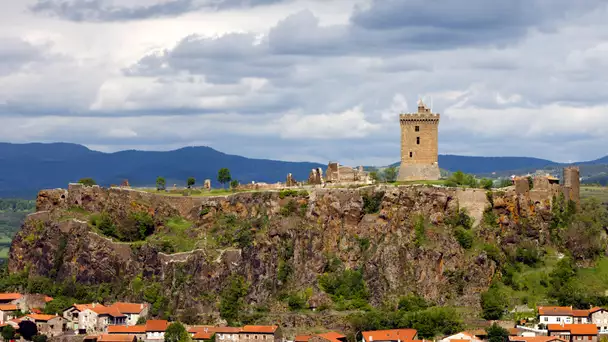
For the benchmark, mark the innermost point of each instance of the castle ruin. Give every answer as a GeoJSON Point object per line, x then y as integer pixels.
{"type": "Point", "coordinates": [419, 145]}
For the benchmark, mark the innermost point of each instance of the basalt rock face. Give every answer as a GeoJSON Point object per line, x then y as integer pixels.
{"type": "Point", "coordinates": [316, 227]}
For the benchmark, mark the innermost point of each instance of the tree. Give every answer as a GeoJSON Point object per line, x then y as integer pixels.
{"type": "Point", "coordinates": [374, 176]}
{"type": "Point", "coordinates": [390, 174]}
{"type": "Point", "coordinates": [161, 184]}
{"type": "Point", "coordinates": [190, 182]}
{"type": "Point", "coordinates": [496, 333]}
{"type": "Point", "coordinates": [8, 333]}
{"type": "Point", "coordinates": [87, 181]}
{"type": "Point", "coordinates": [176, 332]}
{"type": "Point", "coordinates": [39, 338]}
{"type": "Point", "coordinates": [493, 303]}
{"type": "Point", "coordinates": [232, 299]}
{"type": "Point", "coordinates": [486, 183]}
{"type": "Point", "coordinates": [28, 329]}
{"type": "Point", "coordinates": [234, 184]}
{"type": "Point", "coordinates": [223, 176]}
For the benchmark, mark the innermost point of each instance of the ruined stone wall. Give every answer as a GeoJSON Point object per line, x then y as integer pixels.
{"type": "Point", "coordinates": [572, 183]}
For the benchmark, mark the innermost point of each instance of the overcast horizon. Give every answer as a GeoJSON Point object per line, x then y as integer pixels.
{"type": "Point", "coordinates": [307, 80]}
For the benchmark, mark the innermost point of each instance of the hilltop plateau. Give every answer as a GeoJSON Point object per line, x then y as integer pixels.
{"type": "Point", "coordinates": [250, 256]}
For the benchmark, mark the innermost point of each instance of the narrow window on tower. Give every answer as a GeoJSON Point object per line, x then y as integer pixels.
{"type": "Point", "coordinates": [418, 140]}
{"type": "Point", "coordinates": [417, 128]}
{"type": "Point", "coordinates": [411, 154]}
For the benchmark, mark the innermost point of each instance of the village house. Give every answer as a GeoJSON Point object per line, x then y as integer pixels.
{"type": "Point", "coordinates": [206, 332]}
{"type": "Point", "coordinates": [252, 333]}
{"type": "Point", "coordinates": [133, 311]}
{"type": "Point", "coordinates": [73, 318]}
{"type": "Point", "coordinates": [567, 315]}
{"type": "Point", "coordinates": [599, 317]}
{"type": "Point", "coordinates": [109, 316]}
{"type": "Point", "coordinates": [395, 335]}
{"type": "Point", "coordinates": [49, 325]}
{"type": "Point", "coordinates": [460, 337]}
{"type": "Point", "coordinates": [155, 329]}
{"type": "Point", "coordinates": [7, 312]}
{"type": "Point", "coordinates": [138, 330]}
{"type": "Point", "coordinates": [555, 315]}
{"type": "Point", "coordinates": [574, 332]}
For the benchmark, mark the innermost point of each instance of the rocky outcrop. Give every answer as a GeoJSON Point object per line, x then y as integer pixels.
{"type": "Point", "coordinates": [370, 228]}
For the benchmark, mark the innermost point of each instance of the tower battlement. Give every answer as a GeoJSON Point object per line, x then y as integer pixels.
{"type": "Point", "coordinates": [419, 117]}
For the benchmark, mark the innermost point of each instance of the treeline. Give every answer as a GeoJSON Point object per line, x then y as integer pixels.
{"type": "Point", "coordinates": [17, 205]}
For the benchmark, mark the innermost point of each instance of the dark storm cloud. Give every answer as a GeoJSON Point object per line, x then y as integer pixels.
{"type": "Point", "coordinates": [437, 24]}
{"type": "Point", "coordinates": [99, 11]}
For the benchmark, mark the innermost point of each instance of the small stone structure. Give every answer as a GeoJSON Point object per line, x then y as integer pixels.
{"type": "Point", "coordinates": [125, 183]}
{"type": "Point", "coordinates": [316, 177]}
{"type": "Point", "coordinates": [290, 181]}
{"type": "Point", "coordinates": [336, 173]}
{"type": "Point", "coordinates": [207, 184]}
{"type": "Point", "coordinates": [419, 145]}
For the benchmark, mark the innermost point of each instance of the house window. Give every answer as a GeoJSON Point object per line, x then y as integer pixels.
{"type": "Point", "coordinates": [418, 140]}
{"type": "Point", "coordinates": [589, 338]}
{"type": "Point", "coordinates": [546, 319]}
{"type": "Point", "coordinates": [411, 154]}
{"type": "Point", "coordinates": [558, 319]}
{"type": "Point", "coordinates": [417, 128]}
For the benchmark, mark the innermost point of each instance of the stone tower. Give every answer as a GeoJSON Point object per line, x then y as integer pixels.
{"type": "Point", "coordinates": [571, 184]}
{"type": "Point", "coordinates": [419, 145]}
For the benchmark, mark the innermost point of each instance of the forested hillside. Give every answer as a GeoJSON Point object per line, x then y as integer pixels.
{"type": "Point", "coordinates": [12, 214]}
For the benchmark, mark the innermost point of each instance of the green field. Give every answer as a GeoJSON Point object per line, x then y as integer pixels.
{"type": "Point", "coordinates": [599, 192]}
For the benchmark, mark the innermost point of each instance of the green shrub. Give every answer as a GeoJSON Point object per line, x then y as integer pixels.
{"type": "Point", "coordinates": [363, 243]}
{"type": "Point", "coordinates": [493, 253]}
{"type": "Point", "coordinates": [291, 207]}
{"type": "Point", "coordinates": [412, 303]}
{"type": "Point", "coordinates": [289, 193]}
{"type": "Point", "coordinates": [345, 285]}
{"type": "Point", "coordinates": [87, 181]}
{"type": "Point", "coordinates": [464, 237]}
{"type": "Point", "coordinates": [419, 231]}
{"type": "Point", "coordinates": [105, 224]}
{"type": "Point", "coordinates": [460, 218]}
{"type": "Point", "coordinates": [284, 271]}
{"type": "Point", "coordinates": [144, 223]}
{"type": "Point", "coordinates": [372, 202]}
{"type": "Point", "coordinates": [297, 301]}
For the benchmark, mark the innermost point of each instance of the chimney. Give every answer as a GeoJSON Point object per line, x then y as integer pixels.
{"type": "Point", "coordinates": [141, 306]}
{"type": "Point", "coordinates": [94, 304]}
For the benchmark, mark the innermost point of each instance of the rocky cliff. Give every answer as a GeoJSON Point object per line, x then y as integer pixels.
{"type": "Point", "coordinates": [400, 239]}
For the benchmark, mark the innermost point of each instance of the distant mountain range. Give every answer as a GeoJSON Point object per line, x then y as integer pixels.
{"type": "Point", "coordinates": [27, 168]}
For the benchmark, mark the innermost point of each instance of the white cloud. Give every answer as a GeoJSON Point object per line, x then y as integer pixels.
{"type": "Point", "coordinates": [348, 124]}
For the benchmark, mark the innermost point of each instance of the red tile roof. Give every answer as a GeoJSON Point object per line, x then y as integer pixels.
{"type": "Point", "coordinates": [115, 338]}
{"type": "Point", "coordinates": [580, 313]}
{"type": "Point", "coordinates": [332, 336]}
{"type": "Point", "coordinates": [555, 310]}
{"type": "Point", "coordinates": [201, 335]}
{"type": "Point", "coordinates": [156, 325]}
{"type": "Point", "coordinates": [260, 329]}
{"type": "Point", "coordinates": [389, 335]}
{"type": "Point", "coordinates": [121, 329]}
{"type": "Point", "coordinates": [536, 339]}
{"type": "Point", "coordinates": [128, 308]}
{"type": "Point", "coordinates": [302, 338]}
{"type": "Point", "coordinates": [10, 296]}
{"type": "Point", "coordinates": [39, 317]}
{"type": "Point", "coordinates": [574, 329]}
{"type": "Point", "coordinates": [8, 307]}
{"type": "Point", "coordinates": [47, 299]}
{"type": "Point", "coordinates": [82, 307]}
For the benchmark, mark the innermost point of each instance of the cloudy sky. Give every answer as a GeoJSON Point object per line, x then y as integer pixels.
{"type": "Point", "coordinates": [313, 80]}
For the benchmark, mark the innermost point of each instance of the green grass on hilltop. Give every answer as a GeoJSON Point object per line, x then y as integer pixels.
{"type": "Point", "coordinates": [175, 237]}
